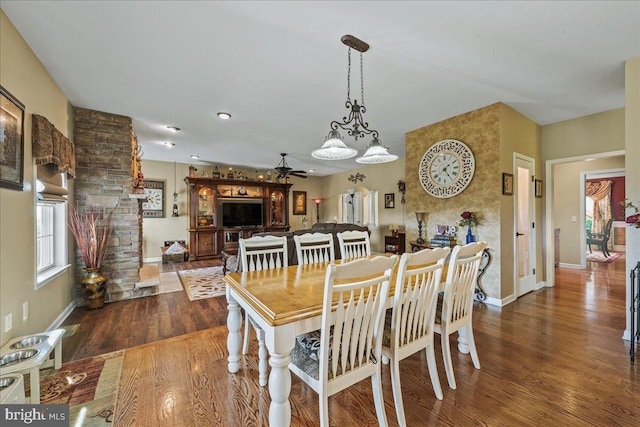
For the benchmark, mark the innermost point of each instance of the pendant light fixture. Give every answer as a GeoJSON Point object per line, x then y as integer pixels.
{"type": "Point", "coordinates": [334, 147]}
{"type": "Point", "coordinates": [175, 193]}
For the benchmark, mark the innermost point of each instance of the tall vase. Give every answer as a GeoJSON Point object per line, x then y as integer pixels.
{"type": "Point", "coordinates": [470, 237]}
{"type": "Point", "coordinates": [94, 288]}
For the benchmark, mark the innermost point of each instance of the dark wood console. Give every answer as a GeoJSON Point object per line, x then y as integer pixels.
{"type": "Point", "coordinates": [208, 236]}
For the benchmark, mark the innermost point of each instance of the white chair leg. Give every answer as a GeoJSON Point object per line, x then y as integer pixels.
{"type": "Point", "coordinates": [397, 391]}
{"type": "Point", "coordinates": [262, 359]}
{"type": "Point", "coordinates": [376, 385]}
{"type": "Point", "coordinates": [472, 346]}
{"type": "Point", "coordinates": [433, 371]}
{"type": "Point", "coordinates": [446, 357]}
{"type": "Point", "coordinates": [245, 339]}
{"type": "Point", "coordinates": [385, 360]}
{"type": "Point", "coordinates": [324, 409]}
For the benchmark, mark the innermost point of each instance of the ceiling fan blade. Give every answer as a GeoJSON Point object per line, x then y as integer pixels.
{"type": "Point", "coordinates": [299, 176]}
{"type": "Point", "coordinates": [297, 171]}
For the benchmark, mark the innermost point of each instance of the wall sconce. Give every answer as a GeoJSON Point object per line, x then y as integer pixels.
{"type": "Point", "coordinates": [420, 218]}
{"type": "Point", "coordinates": [317, 202]}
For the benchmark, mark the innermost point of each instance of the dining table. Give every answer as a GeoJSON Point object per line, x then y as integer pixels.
{"type": "Point", "coordinates": [284, 302]}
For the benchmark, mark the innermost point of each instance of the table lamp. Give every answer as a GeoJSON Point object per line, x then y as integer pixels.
{"type": "Point", "coordinates": [420, 218]}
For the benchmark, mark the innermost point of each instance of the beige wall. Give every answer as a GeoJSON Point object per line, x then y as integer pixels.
{"type": "Point", "coordinates": [493, 133]}
{"type": "Point", "coordinates": [566, 202]}
{"type": "Point", "coordinates": [22, 74]}
{"type": "Point", "coordinates": [591, 134]}
{"type": "Point", "coordinates": [632, 160]}
{"type": "Point", "coordinates": [383, 178]}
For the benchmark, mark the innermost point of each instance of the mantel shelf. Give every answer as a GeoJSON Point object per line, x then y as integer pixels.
{"type": "Point", "coordinates": [138, 196]}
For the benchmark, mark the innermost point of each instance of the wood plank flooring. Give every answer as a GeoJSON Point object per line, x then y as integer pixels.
{"type": "Point", "coordinates": [554, 357]}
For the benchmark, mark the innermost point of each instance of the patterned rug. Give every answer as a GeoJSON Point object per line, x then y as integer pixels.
{"type": "Point", "coordinates": [598, 256]}
{"type": "Point", "coordinates": [90, 383]}
{"type": "Point", "coordinates": [203, 283]}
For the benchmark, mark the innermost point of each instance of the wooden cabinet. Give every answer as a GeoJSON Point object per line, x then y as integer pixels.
{"type": "Point", "coordinates": [395, 244]}
{"type": "Point", "coordinates": [209, 229]}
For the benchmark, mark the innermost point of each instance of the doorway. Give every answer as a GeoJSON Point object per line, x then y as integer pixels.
{"type": "Point", "coordinates": [524, 214]}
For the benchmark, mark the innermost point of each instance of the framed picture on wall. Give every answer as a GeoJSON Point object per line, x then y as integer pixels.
{"type": "Point", "coordinates": [389, 201]}
{"type": "Point", "coordinates": [11, 141]}
{"type": "Point", "coordinates": [299, 202]}
{"type": "Point", "coordinates": [538, 188]}
{"type": "Point", "coordinates": [507, 184]}
{"type": "Point", "coordinates": [154, 206]}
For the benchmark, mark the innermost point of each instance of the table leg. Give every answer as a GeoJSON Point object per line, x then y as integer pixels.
{"type": "Point", "coordinates": [58, 355]}
{"type": "Point", "coordinates": [34, 375]}
{"type": "Point", "coordinates": [463, 344]}
{"type": "Point", "coordinates": [279, 389]}
{"type": "Point", "coordinates": [234, 339]}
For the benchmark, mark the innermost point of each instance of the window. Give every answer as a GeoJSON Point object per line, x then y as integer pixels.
{"type": "Point", "coordinates": [51, 228]}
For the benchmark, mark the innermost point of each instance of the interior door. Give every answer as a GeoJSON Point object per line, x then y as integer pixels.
{"type": "Point", "coordinates": [525, 260]}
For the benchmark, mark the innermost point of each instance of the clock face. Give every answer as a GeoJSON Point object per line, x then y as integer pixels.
{"type": "Point", "coordinates": [154, 199]}
{"type": "Point", "coordinates": [446, 168]}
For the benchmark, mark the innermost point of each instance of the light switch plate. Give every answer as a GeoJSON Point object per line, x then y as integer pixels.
{"type": "Point", "coordinates": [8, 322]}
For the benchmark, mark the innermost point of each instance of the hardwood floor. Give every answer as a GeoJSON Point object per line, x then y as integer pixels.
{"type": "Point", "coordinates": [553, 357]}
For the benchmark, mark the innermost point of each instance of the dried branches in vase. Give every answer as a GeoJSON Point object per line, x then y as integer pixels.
{"type": "Point", "coordinates": [92, 230]}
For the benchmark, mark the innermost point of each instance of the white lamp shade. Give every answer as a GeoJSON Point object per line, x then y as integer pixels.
{"type": "Point", "coordinates": [376, 153]}
{"type": "Point", "coordinates": [334, 149]}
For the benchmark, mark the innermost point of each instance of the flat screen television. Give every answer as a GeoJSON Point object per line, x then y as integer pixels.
{"type": "Point", "coordinates": [239, 213]}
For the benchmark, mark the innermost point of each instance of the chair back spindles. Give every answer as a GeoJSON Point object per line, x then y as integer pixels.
{"type": "Point", "coordinates": [354, 244]}
{"type": "Point", "coordinates": [312, 248]}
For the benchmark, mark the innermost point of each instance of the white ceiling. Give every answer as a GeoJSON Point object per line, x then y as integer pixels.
{"type": "Point", "coordinates": [280, 69]}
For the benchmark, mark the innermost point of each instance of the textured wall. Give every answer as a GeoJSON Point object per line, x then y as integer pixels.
{"type": "Point", "coordinates": [480, 130]}
{"type": "Point", "coordinates": [104, 178]}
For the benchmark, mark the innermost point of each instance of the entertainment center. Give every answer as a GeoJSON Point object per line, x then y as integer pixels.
{"type": "Point", "coordinates": [221, 211]}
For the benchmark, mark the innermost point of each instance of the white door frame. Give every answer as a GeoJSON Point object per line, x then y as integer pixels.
{"type": "Point", "coordinates": [548, 214]}
{"type": "Point", "coordinates": [532, 211]}
{"type": "Point", "coordinates": [604, 173]}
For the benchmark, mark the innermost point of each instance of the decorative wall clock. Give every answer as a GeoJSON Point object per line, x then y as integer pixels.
{"type": "Point", "coordinates": [154, 206]}
{"type": "Point", "coordinates": [446, 168]}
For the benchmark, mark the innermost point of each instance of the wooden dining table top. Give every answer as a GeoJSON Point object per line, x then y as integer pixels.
{"type": "Point", "coordinates": [282, 295]}
{"type": "Point", "coordinates": [287, 294]}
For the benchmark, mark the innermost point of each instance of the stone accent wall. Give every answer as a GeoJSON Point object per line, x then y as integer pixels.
{"type": "Point", "coordinates": [104, 154]}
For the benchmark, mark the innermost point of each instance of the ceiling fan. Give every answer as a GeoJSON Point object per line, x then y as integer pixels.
{"type": "Point", "coordinates": [284, 170]}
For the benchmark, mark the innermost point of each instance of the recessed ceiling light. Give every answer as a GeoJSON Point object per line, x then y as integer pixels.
{"type": "Point", "coordinates": [173, 128]}
{"type": "Point", "coordinates": [169, 144]}
{"type": "Point", "coordinates": [311, 170]}
{"type": "Point", "coordinates": [194, 156]}
{"type": "Point", "coordinates": [224, 116]}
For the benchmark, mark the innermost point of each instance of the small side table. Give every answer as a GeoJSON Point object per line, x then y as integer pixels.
{"type": "Point", "coordinates": [34, 364]}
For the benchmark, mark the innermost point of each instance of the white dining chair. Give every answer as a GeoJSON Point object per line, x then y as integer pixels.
{"type": "Point", "coordinates": [312, 248]}
{"type": "Point", "coordinates": [409, 324]}
{"type": "Point", "coordinates": [347, 348]}
{"type": "Point", "coordinates": [260, 253]}
{"type": "Point", "coordinates": [455, 305]}
{"type": "Point", "coordinates": [354, 244]}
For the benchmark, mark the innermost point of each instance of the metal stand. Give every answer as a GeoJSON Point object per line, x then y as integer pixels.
{"type": "Point", "coordinates": [635, 310]}
{"type": "Point", "coordinates": [484, 263]}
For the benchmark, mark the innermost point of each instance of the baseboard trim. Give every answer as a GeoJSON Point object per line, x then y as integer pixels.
{"type": "Point", "coordinates": [62, 316]}
{"type": "Point", "coordinates": [150, 260]}
{"type": "Point", "coordinates": [493, 301]}
{"type": "Point", "coordinates": [575, 266]}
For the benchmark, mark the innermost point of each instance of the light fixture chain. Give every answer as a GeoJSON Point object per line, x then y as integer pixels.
{"type": "Point", "coordinates": [361, 82]}
{"type": "Point", "coordinates": [349, 76]}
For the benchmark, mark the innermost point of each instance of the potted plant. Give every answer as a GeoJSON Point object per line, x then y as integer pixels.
{"type": "Point", "coordinates": [92, 230]}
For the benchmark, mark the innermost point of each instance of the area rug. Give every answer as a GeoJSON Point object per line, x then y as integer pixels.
{"type": "Point", "coordinates": [598, 256]}
{"type": "Point", "coordinates": [90, 383]}
{"type": "Point", "coordinates": [203, 283]}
